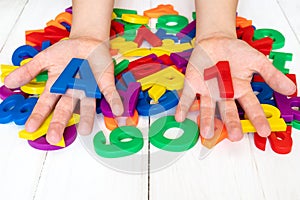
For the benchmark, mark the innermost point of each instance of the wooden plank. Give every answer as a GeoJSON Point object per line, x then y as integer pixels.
{"type": "Point", "coordinates": [291, 9]}
{"type": "Point", "coordinates": [228, 172]}
{"type": "Point", "coordinates": [75, 174]}
{"type": "Point", "coordinates": [9, 14]}
{"type": "Point", "coordinates": [21, 165]}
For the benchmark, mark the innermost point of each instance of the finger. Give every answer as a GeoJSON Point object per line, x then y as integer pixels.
{"type": "Point", "coordinates": [207, 115]}
{"type": "Point", "coordinates": [25, 73]}
{"type": "Point", "coordinates": [87, 115]}
{"type": "Point", "coordinates": [255, 113]}
{"type": "Point", "coordinates": [42, 109]}
{"type": "Point", "coordinates": [103, 69]}
{"type": "Point", "coordinates": [276, 79]}
{"type": "Point", "coordinates": [230, 118]}
{"type": "Point", "coordinates": [107, 86]}
{"type": "Point", "coordinates": [61, 116]}
{"type": "Point", "coordinates": [186, 100]}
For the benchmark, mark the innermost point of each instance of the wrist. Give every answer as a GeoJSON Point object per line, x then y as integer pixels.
{"type": "Point", "coordinates": [216, 35]}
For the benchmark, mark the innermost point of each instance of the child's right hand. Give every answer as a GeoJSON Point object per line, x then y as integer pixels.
{"type": "Point", "coordinates": [54, 60]}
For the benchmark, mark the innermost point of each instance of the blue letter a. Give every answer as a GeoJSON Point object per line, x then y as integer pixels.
{"type": "Point", "coordinates": [86, 81]}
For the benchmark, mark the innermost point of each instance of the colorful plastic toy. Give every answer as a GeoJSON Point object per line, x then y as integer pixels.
{"type": "Point", "coordinates": [184, 142]}
{"type": "Point", "coordinates": [22, 52]}
{"type": "Point", "coordinates": [16, 108]}
{"type": "Point", "coordinates": [67, 79]}
{"type": "Point", "coordinates": [265, 95]}
{"type": "Point", "coordinates": [273, 116]}
{"type": "Point", "coordinates": [179, 23]}
{"type": "Point", "coordinates": [285, 105]}
{"type": "Point", "coordinates": [44, 128]}
{"type": "Point", "coordinates": [129, 97]}
{"type": "Point", "coordinates": [6, 92]}
{"type": "Point", "coordinates": [166, 102]}
{"type": "Point", "coordinates": [118, 147]}
{"type": "Point", "coordinates": [279, 60]}
{"type": "Point", "coordinates": [281, 142]}
{"type": "Point", "coordinates": [143, 34]}
{"type": "Point", "coordinates": [135, 19]}
{"type": "Point", "coordinates": [160, 10]}
{"type": "Point", "coordinates": [220, 133]}
{"type": "Point", "coordinates": [277, 37]}
{"type": "Point", "coordinates": [41, 143]}
{"type": "Point", "coordinates": [221, 71]}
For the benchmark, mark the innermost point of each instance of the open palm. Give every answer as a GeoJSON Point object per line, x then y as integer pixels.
{"type": "Point", "coordinates": [244, 61]}
{"type": "Point", "coordinates": [54, 60]}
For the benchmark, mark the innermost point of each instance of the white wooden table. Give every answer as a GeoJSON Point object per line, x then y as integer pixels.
{"type": "Point", "coordinates": [232, 170]}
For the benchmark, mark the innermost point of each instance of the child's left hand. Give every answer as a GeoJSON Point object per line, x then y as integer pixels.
{"type": "Point", "coordinates": [244, 61]}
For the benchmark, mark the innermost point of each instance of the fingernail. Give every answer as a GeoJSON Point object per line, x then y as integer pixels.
{"type": "Point", "coordinates": [53, 137]}
{"type": "Point", "coordinates": [207, 133]}
{"type": "Point", "coordinates": [293, 89]}
{"type": "Point", "coordinates": [84, 128]}
{"type": "Point", "coordinates": [30, 125]}
{"type": "Point", "coordinates": [179, 116]}
{"type": "Point", "coordinates": [118, 109]}
{"type": "Point", "coordinates": [235, 135]}
{"type": "Point", "coordinates": [264, 131]}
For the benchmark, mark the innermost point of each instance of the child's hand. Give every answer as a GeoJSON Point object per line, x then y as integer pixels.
{"type": "Point", "coordinates": [244, 61]}
{"type": "Point", "coordinates": [54, 60]}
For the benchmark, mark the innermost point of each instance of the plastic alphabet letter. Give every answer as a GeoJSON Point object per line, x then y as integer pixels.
{"type": "Point", "coordinates": [260, 142]}
{"type": "Point", "coordinates": [273, 116]}
{"type": "Point", "coordinates": [44, 128]}
{"type": "Point", "coordinates": [166, 102]}
{"type": "Point", "coordinates": [135, 19]}
{"type": "Point", "coordinates": [144, 60]}
{"type": "Point", "coordinates": [189, 30]}
{"type": "Point", "coordinates": [242, 22]}
{"type": "Point", "coordinates": [119, 12]}
{"type": "Point", "coordinates": [160, 10]}
{"type": "Point", "coordinates": [118, 147]}
{"type": "Point", "coordinates": [121, 66]}
{"type": "Point", "coordinates": [130, 98]}
{"type": "Point", "coordinates": [41, 143]}
{"type": "Point", "coordinates": [145, 70]}
{"type": "Point", "coordinates": [6, 92]}
{"type": "Point", "coordinates": [265, 93]}
{"type": "Point", "coordinates": [279, 60]}
{"type": "Point", "coordinates": [281, 142]}
{"type": "Point", "coordinates": [86, 82]}
{"type": "Point", "coordinates": [165, 20]}
{"type": "Point", "coordinates": [220, 133]}
{"type": "Point", "coordinates": [264, 45]}
{"type": "Point", "coordinates": [144, 34]}
{"type": "Point", "coordinates": [16, 108]}
{"type": "Point", "coordinates": [285, 105]}
{"type": "Point", "coordinates": [168, 77]}
{"type": "Point", "coordinates": [186, 141]}
{"type": "Point", "coordinates": [277, 37]}
{"type": "Point", "coordinates": [162, 34]}
{"type": "Point", "coordinates": [22, 52]}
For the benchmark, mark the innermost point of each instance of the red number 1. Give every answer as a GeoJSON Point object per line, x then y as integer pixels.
{"type": "Point", "coordinates": [221, 71]}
